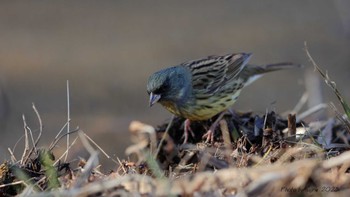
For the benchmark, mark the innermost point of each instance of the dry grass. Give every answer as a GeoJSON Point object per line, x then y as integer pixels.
{"type": "Point", "coordinates": [277, 162]}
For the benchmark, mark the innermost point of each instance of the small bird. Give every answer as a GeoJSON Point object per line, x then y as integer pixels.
{"type": "Point", "coordinates": [200, 89]}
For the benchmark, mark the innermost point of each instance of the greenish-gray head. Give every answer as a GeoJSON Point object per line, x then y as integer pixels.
{"type": "Point", "coordinates": [170, 84]}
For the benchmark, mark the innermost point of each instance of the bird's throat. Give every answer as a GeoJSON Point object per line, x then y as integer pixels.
{"type": "Point", "coordinates": [171, 106]}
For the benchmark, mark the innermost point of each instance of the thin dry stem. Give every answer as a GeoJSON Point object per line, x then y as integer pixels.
{"type": "Point", "coordinates": [26, 140]}
{"type": "Point", "coordinates": [56, 140]}
{"type": "Point", "coordinates": [267, 111]}
{"type": "Point", "coordinates": [13, 183]}
{"type": "Point", "coordinates": [90, 164]}
{"type": "Point", "coordinates": [225, 134]}
{"type": "Point", "coordinates": [61, 130]}
{"type": "Point", "coordinates": [165, 135]}
{"type": "Point", "coordinates": [121, 165]}
{"type": "Point", "coordinates": [71, 145]}
{"type": "Point", "coordinates": [13, 158]}
{"type": "Point", "coordinates": [31, 134]}
{"type": "Point", "coordinates": [302, 101]}
{"type": "Point", "coordinates": [33, 148]}
{"type": "Point", "coordinates": [68, 120]}
{"type": "Point", "coordinates": [40, 125]}
{"type": "Point", "coordinates": [94, 143]}
{"type": "Point", "coordinates": [311, 111]}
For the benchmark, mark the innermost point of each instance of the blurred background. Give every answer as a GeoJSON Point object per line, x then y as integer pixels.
{"type": "Point", "coordinates": [107, 50]}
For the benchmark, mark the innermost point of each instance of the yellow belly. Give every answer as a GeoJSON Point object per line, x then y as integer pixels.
{"type": "Point", "coordinates": [202, 109]}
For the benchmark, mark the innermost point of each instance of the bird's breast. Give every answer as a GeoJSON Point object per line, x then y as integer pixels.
{"type": "Point", "coordinates": [207, 108]}
{"type": "Point", "coordinates": [202, 109]}
{"type": "Point", "coordinates": [172, 107]}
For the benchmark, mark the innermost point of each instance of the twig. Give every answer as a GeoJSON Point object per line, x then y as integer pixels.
{"type": "Point", "coordinates": [292, 129]}
{"type": "Point", "coordinates": [307, 132]}
{"type": "Point", "coordinates": [53, 144]}
{"type": "Point", "coordinates": [58, 135]}
{"type": "Point", "coordinates": [37, 184]}
{"type": "Point", "coordinates": [13, 183]}
{"type": "Point", "coordinates": [341, 117]}
{"type": "Point", "coordinates": [26, 141]}
{"type": "Point", "coordinates": [90, 164]}
{"type": "Point", "coordinates": [40, 125]}
{"type": "Point", "coordinates": [324, 75]}
{"type": "Point", "coordinates": [329, 82]}
{"type": "Point", "coordinates": [94, 143]}
{"type": "Point", "coordinates": [71, 145]}
{"type": "Point", "coordinates": [265, 156]}
{"type": "Point", "coordinates": [19, 139]}
{"type": "Point", "coordinates": [225, 134]}
{"type": "Point", "coordinates": [121, 164]}
{"type": "Point", "coordinates": [31, 134]}
{"type": "Point", "coordinates": [32, 149]}
{"type": "Point", "coordinates": [267, 111]}
{"type": "Point", "coordinates": [164, 136]}
{"type": "Point", "coordinates": [303, 99]}
{"type": "Point", "coordinates": [311, 111]}
{"type": "Point", "coordinates": [68, 119]}
{"type": "Point", "coordinates": [85, 142]}
{"type": "Point", "coordinates": [13, 158]}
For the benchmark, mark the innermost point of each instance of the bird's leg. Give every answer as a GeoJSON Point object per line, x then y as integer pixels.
{"type": "Point", "coordinates": [210, 133]}
{"type": "Point", "coordinates": [234, 114]}
{"type": "Point", "coordinates": [187, 128]}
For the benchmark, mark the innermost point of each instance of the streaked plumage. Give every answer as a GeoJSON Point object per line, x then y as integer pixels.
{"type": "Point", "coordinates": [200, 89]}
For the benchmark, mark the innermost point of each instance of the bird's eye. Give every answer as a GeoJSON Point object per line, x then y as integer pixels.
{"type": "Point", "coordinates": [162, 89]}
{"type": "Point", "coordinates": [158, 91]}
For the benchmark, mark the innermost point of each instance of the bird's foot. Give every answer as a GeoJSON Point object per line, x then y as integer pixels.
{"type": "Point", "coordinates": [187, 128]}
{"type": "Point", "coordinates": [210, 133]}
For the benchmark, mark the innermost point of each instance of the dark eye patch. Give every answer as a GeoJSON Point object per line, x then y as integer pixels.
{"type": "Point", "coordinates": [163, 88]}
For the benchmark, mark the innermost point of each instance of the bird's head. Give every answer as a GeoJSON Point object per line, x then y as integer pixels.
{"type": "Point", "coordinates": [169, 85]}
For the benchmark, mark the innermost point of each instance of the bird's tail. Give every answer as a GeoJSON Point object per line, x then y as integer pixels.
{"type": "Point", "coordinates": [252, 72]}
{"type": "Point", "coordinates": [256, 70]}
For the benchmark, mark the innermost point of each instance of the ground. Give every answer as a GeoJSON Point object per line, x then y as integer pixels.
{"type": "Point", "coordinates": [252, 154]}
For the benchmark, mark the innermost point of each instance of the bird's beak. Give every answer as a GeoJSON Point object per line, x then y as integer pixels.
{"type": "Point", "coordinates": [153, 98]}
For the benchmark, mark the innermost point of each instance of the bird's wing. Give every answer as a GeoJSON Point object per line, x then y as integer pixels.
{"type": "Point", "coordinates": [213, 72]}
